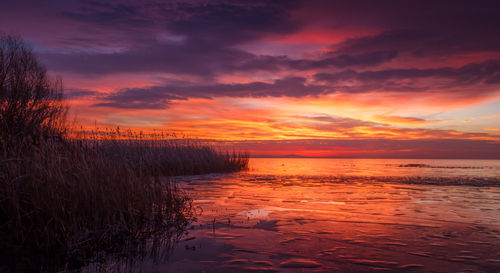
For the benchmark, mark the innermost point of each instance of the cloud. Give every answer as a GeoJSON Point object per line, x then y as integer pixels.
{"type": "Point", "coordinates": [424, 42]}
{"type": "Point", "coordinates": [443, 54]}
{"type": "Point", "coordinates": [403, 120]}
{"type": "Point", "coordinates": [80, 93]}
{"type": "Point", "coordinates": [410, 79]}
{"type": "Point", "coordinates": [335, 121]}
{"type": "Point", "coordinates": [193, 58]}
{"type": "Point", "coordinates": [157, 97]}
{"type": "Point", "coordinates": [421, 28]}
{"type": "Point", "coordinates": [185, 38]}
{"type": "Point", "coordinates": [373, 148]}
{"type": "Point", "coordinates": [137, 98]}
{"type": "Point", "coordinates": [231, 23]}
{"type": "Point", "coordinates": [329, 60]}
{"type": "Point", "coordinates": [399, 80]}
{"type": "Point", "coordinates": [190, 58]}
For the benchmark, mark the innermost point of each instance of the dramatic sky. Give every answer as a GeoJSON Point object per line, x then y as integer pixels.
{"type": "Point", "coordinates": [308, 78]}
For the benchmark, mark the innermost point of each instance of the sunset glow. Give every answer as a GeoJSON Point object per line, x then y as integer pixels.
{"type": "Point", "coordinates": [297, 78]}
{"type": "Point", "coordinates": [249, 136]}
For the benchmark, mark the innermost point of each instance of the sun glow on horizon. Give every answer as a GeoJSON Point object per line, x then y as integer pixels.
{"type": "Point", "coordinates": [282, 71]}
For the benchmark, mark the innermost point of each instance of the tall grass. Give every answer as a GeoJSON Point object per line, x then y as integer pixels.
{"type": "Point", "coordinates": [167, 153]}
{"type": "Point", "coordinates": [62, 201]}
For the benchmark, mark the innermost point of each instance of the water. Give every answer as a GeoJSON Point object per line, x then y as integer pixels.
{"type": "Point", "coordinates": [348, 215]}
{"type": "Point", "coordinates": [376, 167]}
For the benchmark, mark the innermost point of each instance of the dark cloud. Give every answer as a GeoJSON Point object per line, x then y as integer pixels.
{"type": "Point", "coordinates": [475, 74]}
{"type": "Point", "coordinates": [138, 98]}
{"type": "Point", "coordinates": [425, 42]}
{"type": "Point", "coordinates": [136, 104]}
{"type": "Point", "coordinates": [159, 96]}
{"type": "Point", "coordinates": [215, 22]}
{"type": "Point", "coordinates": [233, 22]}
{"type": "Point", "coordinates": [80, 93]}
{"type": "Point", "coordinates": [290, 86]}
{"type": "Point", "coordinates": [110, 14]}
{"type": "Point", "coordinates": [405, 79]}
{"type": "Point", "coordinates": [188, 58]}
{"type": "Point", "coordinates": [198, 59]}
{"type": "Point", "coordinates": [330, 60]}
{"type": "Point", "coordinates": [197, 39]}
{"type": "Point", "coordinates": [171, 37]}
{"type": "Point", "coordinates": [207, 40]}
{"type": "Point", "coordinates": [346, 60]}
{"type": "Point", "coordinates": [421, 28]}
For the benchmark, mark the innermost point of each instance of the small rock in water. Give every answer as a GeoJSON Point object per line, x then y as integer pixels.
{"type": "Point", "coordinates": [299, 263]}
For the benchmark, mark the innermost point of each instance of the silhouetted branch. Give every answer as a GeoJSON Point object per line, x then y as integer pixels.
{"type": "Point", "coordinates": [30, 102]}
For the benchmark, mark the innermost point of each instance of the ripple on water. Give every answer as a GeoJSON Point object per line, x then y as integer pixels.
{"type": "Point", "coordinates": [412, 266]}
{"type": "Point", "coordinates": [237, 261]}
{"type": "Point", "coordinates": [394, 243]}
{"type": "Point", "coordinates": [263, 263]}
{"type": "Point", "coordinates": [267, 225]}
{"type": "Point", "coordinates": [299, 263]}
{"type": "Point", "coordinates": [286, 223]}
{"type": "Point", "coordinates": [374, 262]}
{"type": "Point", "coordinates": [256, 269]}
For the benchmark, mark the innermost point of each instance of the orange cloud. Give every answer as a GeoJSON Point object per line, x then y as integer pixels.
{"type": "Point", "coordinates": [403, 120]}
{"type": "Point", "coordinates": [327, 117]}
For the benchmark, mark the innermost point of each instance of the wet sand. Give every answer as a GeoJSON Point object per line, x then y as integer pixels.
{"type": "Point", "coordinates": [292, 221]}
{"type": "Point", "coordinates": [287, 224]}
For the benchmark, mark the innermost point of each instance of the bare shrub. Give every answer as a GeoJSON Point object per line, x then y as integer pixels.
{"type": "Point", "coordinates": [30, 102]}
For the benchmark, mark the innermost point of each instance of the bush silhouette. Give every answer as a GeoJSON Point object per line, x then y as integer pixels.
{"type": "Point", "coordinates": [30, 103]}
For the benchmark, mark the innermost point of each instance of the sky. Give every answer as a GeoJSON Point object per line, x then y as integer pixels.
{"type": "Point", "coordinates": [403, 79]}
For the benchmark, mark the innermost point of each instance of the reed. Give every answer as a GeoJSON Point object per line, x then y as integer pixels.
{"type": "Point", "coordinates": [63, 201]}
{"type": "Point", "coordinates": [69, 197]}
{"type": "Point", "coordinates": [167, 153]}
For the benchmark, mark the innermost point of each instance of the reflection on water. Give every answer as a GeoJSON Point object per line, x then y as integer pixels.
{"type": "Point", "coordinates": [375, 167]}
{"type": "Point", "coordinates": [290, 215]}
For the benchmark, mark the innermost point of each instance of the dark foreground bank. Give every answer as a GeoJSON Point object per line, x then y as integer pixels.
{"type": "Point", "coordinates": [65, 203]}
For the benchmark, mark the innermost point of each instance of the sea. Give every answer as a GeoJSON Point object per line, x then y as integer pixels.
{"type": "Point", "coordinates": [339, 215]}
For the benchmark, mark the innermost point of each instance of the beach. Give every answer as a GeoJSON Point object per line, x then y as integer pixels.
{"type": "Point", "coordinates": [264, 220]}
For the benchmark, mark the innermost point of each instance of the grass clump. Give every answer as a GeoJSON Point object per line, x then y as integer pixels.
{"type": "Point", "coordinates": [166, 153]}
{"type": "Point", "coordinates": [61, 203]}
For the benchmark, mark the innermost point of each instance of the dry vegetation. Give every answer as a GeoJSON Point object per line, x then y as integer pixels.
{"type": "Point", "coordinates": [61, 203]}
{"type": "Point", "coordinates": [167, 153]}
{"type": "Point", "coordinates": [65, 202]}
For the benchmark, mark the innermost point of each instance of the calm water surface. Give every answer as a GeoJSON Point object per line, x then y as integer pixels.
{"type": "Point", "coordinates": [324, 215]}
{"type": "Point", "coordinates": [376, 167]}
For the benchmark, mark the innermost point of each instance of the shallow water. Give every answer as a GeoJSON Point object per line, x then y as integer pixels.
{"type": "Point", "coordinates": [375, 167]}
{"type": "Point", "coordinates": [321, 215]}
